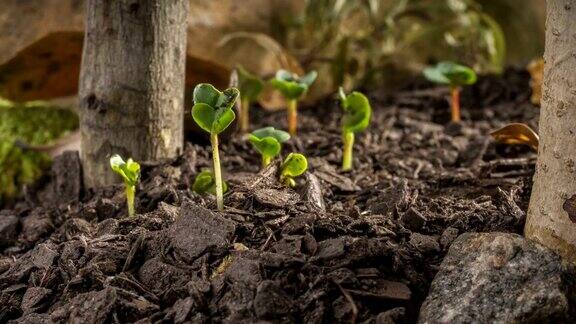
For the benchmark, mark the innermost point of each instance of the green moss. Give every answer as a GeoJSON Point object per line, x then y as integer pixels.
{"type": "Point", "coordinates": [35, 123]}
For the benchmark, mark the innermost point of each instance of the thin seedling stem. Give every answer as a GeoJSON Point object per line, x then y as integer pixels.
{"type": "Point", "coordinates": [292, 117]}
{"type": "Point", "coordinates": [348, 139]}
{"type": "Point", "coordinates": [455, 104]}
{"type": "Point", "coordinates": [217, 171]}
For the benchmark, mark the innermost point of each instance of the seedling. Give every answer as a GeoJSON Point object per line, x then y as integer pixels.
{"type": "Point", "coordinates": [205, 183]}
{"type": "Point", "coordinates": [293, 166]}
{"type": "Point", "coordinates": [268, 142]}
{"type": "Point", "coordinates": [250, 87]}
{"type": "Point", "coordinates": [292, 87]}
{"type": "Point", "coordinates": [357, 112]}
{"type": "Point", "coordinates": [130, 173]}
{"type": "Point", "coordinates": [212, 111]}
{"type": "Point", "coordinates": [455, 76]}
{"type": "Point", "coordinates": [517, 134]}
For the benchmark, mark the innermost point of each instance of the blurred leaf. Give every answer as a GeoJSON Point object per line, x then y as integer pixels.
{"type": "Point", "coordinates": [270, 44]}
{"type": "Point", "coordinates": [517, 134]}
{"type": "Point", "coordinates": [293, 166]}
{"type": "Point", "coordinates": [357, 111]}
{"type": "Point", "coordinates": [204, 183]}
{"type": "Point", "coordinates": [37, 124]}
{"type": "Point", "coordinates": [450, 73]}
{"type": "Point", "coordinates": [250, 86]}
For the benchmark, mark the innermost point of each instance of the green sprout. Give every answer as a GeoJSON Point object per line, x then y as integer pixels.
{"type": "Point", "coordinates": [292, 87]}
{"type": "Point", "coordinates": [250, 87]}
{"type": "Point", "coordinates": [205, 183]}
{"type": "Point", "coordinates": [455, 76]}
{"type": "Point", "coordinates": [130, 173]}
{"type": "Point", "coordinates": [268, 142]}
{"type": "Point", "coordinates": [357, 112]}
{"type": "Point", "coordinates": [212, 111]}
{"type": "Point", "coordinates": [293, 166]}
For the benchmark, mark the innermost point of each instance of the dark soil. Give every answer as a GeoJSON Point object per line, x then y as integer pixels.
{"type": "Point", "coordinates": [360, 246]}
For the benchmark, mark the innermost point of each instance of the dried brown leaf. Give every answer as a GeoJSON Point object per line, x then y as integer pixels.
{"type": "Point", "coordinates": [517, 134]}
{"type": "Point", "coordinates": [50, 68]}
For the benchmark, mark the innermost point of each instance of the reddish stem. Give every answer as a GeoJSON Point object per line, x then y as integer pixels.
{"type": "Point", "coordinates": [455, 104]}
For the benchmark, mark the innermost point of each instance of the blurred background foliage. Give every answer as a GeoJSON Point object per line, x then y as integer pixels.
{"type": "Point", "coordinates": [379, 44]}
{"type": "Point", "coordinates": [359, 42]}
{"type": "Point", "coordinates": [35, 123]}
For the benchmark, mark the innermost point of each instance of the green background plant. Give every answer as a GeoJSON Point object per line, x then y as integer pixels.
{"type": "Point", "coordinates": [357, 113]}
{"type": "Point", "coordinates": [293, 166]}
{"type": "Point", "coordinates": [450, 73]}
{"type": "Point", "coordinates": [292, 86]}
{"type": "Point", "coordinates": [35, 123]}
{"type": "Point", "coordinates": [205, 183]}
{"type": "Point", "coordinates": [250, 87]}
{"type": "Point", "coordinates": [268, 142]}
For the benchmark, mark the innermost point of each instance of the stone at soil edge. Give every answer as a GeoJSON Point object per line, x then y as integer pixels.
{"type": "Point", "coordinates": [498, 277]}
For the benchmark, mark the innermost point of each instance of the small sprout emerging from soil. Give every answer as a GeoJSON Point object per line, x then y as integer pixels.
{"type": "Point", "coordinates": [357, 111]}
{"type": "Point", "coordinates": [212, 111]}
{"type": "Point", "coordinates": [455, 76]}
{"type": "Point", "coordinates": [517, 134]}
{"type": "Point", "coordinates": [130, 173]}
{"type": "Point", "coordinates": [205, 183]}
{"type": "Point", "coordinates": [268, 142]}
{"type": "Point", "coordinates": [293, 88]}
{"type": "Point", "coordinates": [250, 87]}
{"type": "Point", "coordinates": [293, 166]}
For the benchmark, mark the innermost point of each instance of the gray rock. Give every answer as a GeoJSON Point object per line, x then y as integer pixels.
{"type": "Point", "coordinates": [448, 236]}
{"type": "Point", "coordinates": [498, 278]}
{"type": "Point", "coordinates": [424, 243]}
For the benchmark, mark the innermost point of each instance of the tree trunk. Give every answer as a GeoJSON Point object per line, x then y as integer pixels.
{"type": "Point", "coordinates": [131, 83]}
{"type": "Point", "coordinates": [552, 213]}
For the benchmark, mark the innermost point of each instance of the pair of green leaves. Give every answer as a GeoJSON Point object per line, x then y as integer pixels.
{"type": "Point", "coordinates": [291, 85]}
{"type": "Point", "coordinates": [268, 141]}
{"type": "Point", "coordinates": [212, 109]}
{"type": "Point", "coordinates": [128, 170]}
{"type": "Point", "coordinates": [450, 73]}
{"type": "Point", "coordinates": [205, 183]}
{"type": "Point", "coordinates": [293, 166]}
{"type": "Point", "coordinates": [357, 111]}
{"type": "Point", "coordinates": [250, 86]}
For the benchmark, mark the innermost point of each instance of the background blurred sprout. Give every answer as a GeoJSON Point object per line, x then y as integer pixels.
{"type": "Point", "coordinates": [212, 111]}
{"type": "Point", "coordinates": [293, 166]}
{"type": "Point", "coordinates": [455, 76]}
{"type": "Point", "coordinates": [268, 142]}
{"type": "Point", "coordinates": [357, 112]}
{"type": "Point", "coordinates": [205, 183]}
{"type": "Point", "coordinates": [130, 173]}
{"type": "Point", "coordinates": [293, 87]}
{"type": "Point", "coordinates": [250, 87]}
